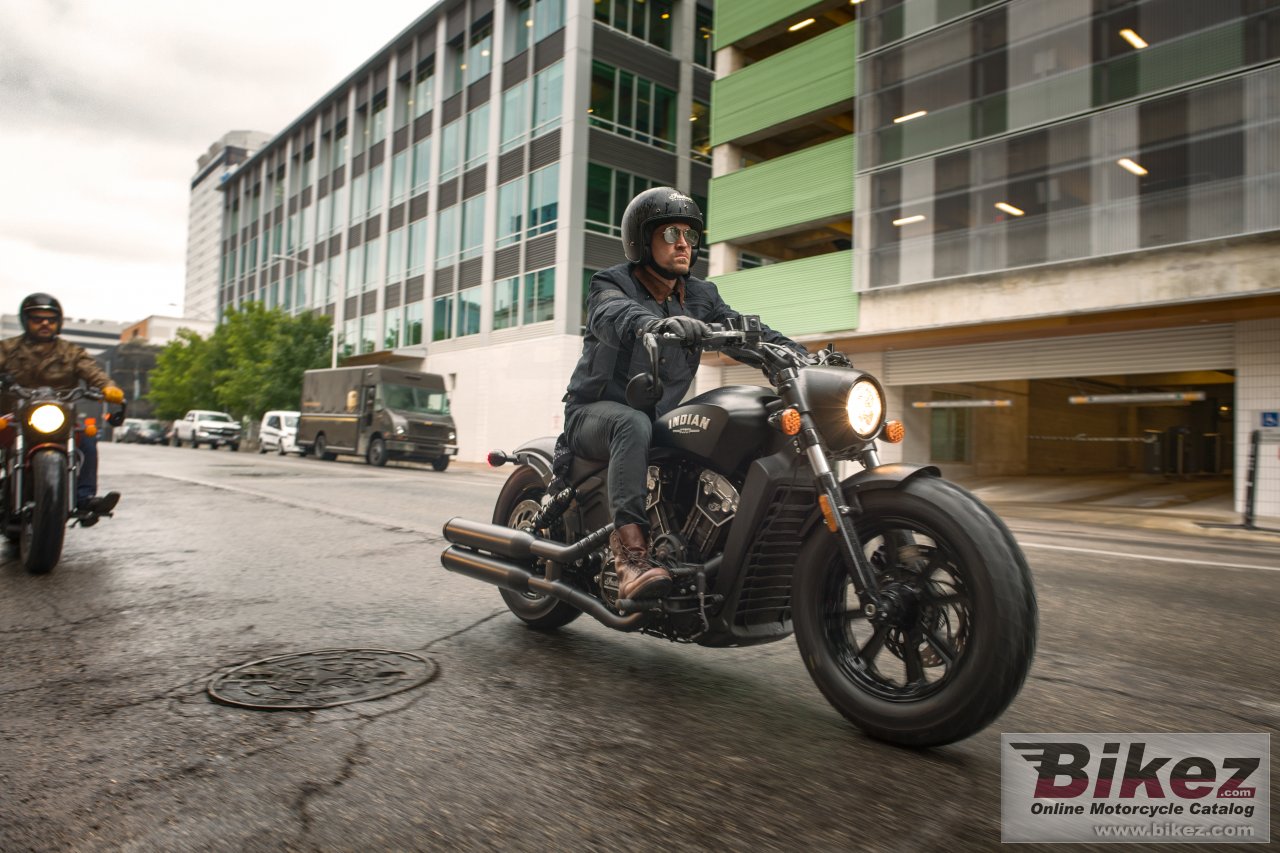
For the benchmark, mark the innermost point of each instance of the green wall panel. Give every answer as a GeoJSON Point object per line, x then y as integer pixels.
{"type": "Point", "coordinates": [813, 184]}
{"type": "Point", "coordinates": [800, 80]}
{"type": "Point", "coordinates": [805, 297]}
{"type": "Point", "coordinates": [737, 19]}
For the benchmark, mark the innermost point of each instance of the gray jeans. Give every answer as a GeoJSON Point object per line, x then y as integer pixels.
{"type": "Point", "coordinates": [619, 434]}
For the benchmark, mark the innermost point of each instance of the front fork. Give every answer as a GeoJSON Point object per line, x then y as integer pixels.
{"type": "Point", "coordinates": [839, 514]}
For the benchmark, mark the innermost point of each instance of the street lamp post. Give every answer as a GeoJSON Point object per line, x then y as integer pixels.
{"type": "Point", "coordinates": [329, 283]}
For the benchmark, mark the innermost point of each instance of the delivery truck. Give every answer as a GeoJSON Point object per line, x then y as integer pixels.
{"type": "Point", "coordinates": [377, 412]}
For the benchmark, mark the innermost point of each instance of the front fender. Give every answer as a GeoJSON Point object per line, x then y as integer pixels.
{"type": "Point", "coordinates": [888, 476]}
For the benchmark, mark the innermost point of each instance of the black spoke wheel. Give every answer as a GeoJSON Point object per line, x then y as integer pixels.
{"type": "Point", "coordinates": [951, 646]}
{"type": "Point", "coordinates": [518, 503]}
{"type": "Point", "coordinates": [40, 541]}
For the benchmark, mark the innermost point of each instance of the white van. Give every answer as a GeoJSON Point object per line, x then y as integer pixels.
{"type": "Point", "coordinates": [279, 432]}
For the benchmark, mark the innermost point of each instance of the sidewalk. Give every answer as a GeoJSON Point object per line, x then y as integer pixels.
{"type": "Point", "coordinates": [1108, 500]}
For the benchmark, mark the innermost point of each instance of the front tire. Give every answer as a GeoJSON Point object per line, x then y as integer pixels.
{"type": "Point", "coordinates": [440, 463]}
{"type": "Point", "coordinates": [959, 645]}
{"type": "Point", "coordinates": [40, 543]}
{"type": "Point", "coordinates": [519, 500]}
{"type": "Point", "coordinates": [377, 453]}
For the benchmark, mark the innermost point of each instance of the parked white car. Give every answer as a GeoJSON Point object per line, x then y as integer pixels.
{"type": "Point", "coordinates": [279, 432]}
{"type": "Point", "coordinates": [201, 426]}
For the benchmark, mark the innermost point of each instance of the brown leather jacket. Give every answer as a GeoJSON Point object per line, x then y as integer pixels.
{"type": "Point", "coordinates": [58, 364]}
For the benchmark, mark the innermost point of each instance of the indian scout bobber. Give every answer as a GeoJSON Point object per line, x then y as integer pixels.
{"type": "Point", "coordinates": [38, 479]}
{"type": "Point", "coordinates": [911, 602]}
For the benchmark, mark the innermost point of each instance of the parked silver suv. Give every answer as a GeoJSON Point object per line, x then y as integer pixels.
{"type": "Point", "coordinates": [201, 426]}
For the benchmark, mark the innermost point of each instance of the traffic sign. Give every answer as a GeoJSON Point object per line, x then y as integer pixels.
{"type": "Point", "coordinates": [1270, 419]}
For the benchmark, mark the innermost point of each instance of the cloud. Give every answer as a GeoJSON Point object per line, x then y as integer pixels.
{"type": "Point", "coordinates": [105, 106]}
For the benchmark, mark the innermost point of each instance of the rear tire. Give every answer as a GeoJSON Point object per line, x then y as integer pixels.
{"type": "Point", "coordinates": [519, 499]}
{"type": "Point", "coordinates": [965, 642]}
{"type": "Point", "coordinates": [40, 544]}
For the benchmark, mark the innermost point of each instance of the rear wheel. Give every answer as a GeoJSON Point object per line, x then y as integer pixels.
{"type": "Point", "coordinates": [952, 647]}
{"type": "Point", "coordinates": [518, 503]}
{"type": "Point", "coordinates": [40, 545]}
{"type": "Point", "coordinates": [377, 454]}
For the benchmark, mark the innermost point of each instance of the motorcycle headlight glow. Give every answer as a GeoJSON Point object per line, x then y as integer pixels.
{"type": "Point", "coordinates": [47, 418]}
{"type": "Point", "coordinates": [866, 408]}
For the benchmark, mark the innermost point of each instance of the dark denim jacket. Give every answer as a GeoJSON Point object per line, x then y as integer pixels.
{"type": "Point", "coordinates": [617, 307]}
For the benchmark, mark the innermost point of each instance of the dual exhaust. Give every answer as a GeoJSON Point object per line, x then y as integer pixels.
{"type": "Point", "coordinates": [493, 554]}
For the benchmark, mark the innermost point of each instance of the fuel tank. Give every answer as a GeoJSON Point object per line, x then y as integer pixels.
{"type": "Point", "coordinates": [726, 426]}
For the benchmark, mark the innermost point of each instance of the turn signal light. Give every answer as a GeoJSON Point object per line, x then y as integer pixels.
{"type": "Point", "coordinates": [828, 513]}
{"type": "Point", "coordinates": [91, 427]}
{"type": "Point", "coordinates": [790, 422]}
{"type": "Point", "coordinates": [496, 458]}
{"type": "Point", "coordinates": [894, 432]}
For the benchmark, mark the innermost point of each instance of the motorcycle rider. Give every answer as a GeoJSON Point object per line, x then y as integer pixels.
{"type": "Point", "coordinates": [652, 292]}
{"type": "Point", "coordinates": [39, 358]}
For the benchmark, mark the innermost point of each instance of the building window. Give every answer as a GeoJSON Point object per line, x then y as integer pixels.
{"type": "Point", "coordinates": [548, 98]}
{"type": "Point", "coordinates": [477, 137]}
{"type": "Point", "coordinates": [449, 149]}
{"type": "Point", "coordinates": [417, 247]}
{"type": "Point", "coordinates": [472, 227]}
{"type": "Point", "coordinates": [355, 269]}
{"type": "Point", "coordinates": [515, 116]}
{"type": "Point", "coordinates": [399, 177]}
{"type": "Point", "coordinates": [704, 29]}
{"type": "Point", "coordinates": [544, 189]}
{"type": "Point", "coordinates": [700, 127]}
{"type": "Point", "coordinates": [647, 20]}
{"type": "Point", "coordinates": [519, 27]}
{"type": "Point", "coordinates": [375, 188]}
{"type": "Point", "coordinates": [608, 193]}
{"type": "Point", "coordinates": [403, 101]}
{"type": "Point", "coordinates": [632, 106]}
{"type": "Point", "coordinates": [350, 337]}
{"type": "Point", "coordinates": [447, 236]}
{"type": "Point", "coordinates": [424, 88]}
{"type": "Point", "coordinates": [510, 212]}
{"type": "Point", "coordinates": [421, 164]}
{"type": "Point", "coordinates": [455, 67]}
{"type": "Point", "coordinates": [378, 119]}
{"type": "Point", "coordinates": [469, 311]}
{"type": "Point", "coordinates": [368, 333]}
{"type": "Point", "coordinates": [324, 217]}
{"type": "Point", "coordinates": [949, 431]}
{"type": "Point", "coordinates": [548, 16]}
{"type": "Point", "coordinates": [359, 198]}
{"type": "Point", "coordinates": [442, 318]}
{"type": "Point", "coordinates": [479, 52]}
{"type": "Point", "coordinates": [395, 255]}
{"type": "Point", "coordinates": [391, 328]}
{"type": "Point", "coordinates": [506, 303]}
{"type": "Point", "coordinates": [539, 296]}
{"type": "Point", "coordinates": [372, 259]}
{"type": "Point", "coordinates": [413, 324]}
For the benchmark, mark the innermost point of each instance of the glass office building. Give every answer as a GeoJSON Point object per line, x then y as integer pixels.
{"type": "Point", "coordinates": [449, 200]}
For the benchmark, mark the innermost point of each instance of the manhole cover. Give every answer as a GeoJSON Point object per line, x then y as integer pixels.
{"type": "Point", "coordinates": [323, 679]}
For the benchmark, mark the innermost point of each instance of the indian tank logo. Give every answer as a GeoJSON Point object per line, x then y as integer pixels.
{"type": "Point", "coordinates": [688, 423]}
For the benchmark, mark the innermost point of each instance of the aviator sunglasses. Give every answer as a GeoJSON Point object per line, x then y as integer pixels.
{"type": "Point", "coordinates": [672, 235]}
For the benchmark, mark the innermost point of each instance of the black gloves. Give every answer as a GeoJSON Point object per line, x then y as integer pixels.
{"type": "Point", "coordinates": [692, 330]}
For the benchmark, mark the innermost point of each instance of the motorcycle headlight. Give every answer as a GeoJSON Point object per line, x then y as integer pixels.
{"type": "Point", "coordinates": [866, 408]}
{"type": "Point", "coordinates": [47, 418]}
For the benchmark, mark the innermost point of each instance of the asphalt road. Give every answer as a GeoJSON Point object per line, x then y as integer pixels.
{"type": "Point", "coordinates": [582, 739]}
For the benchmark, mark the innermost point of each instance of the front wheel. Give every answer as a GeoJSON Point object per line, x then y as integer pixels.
{"type": "Point", "coordinates": [440, 462]}
{"type": "Point", "coordinates": [518, 503]}
{"type": "Point", "coordinates": [40, 543]}
{"type": "Point", "coordinates": [377, 453]}
{"type": "Point", "coordinates": [955, 642]}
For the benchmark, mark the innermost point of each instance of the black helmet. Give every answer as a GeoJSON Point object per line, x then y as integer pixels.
{"type": "Point", "coordinates": [651, 208]}
{"type": "Point", "coordinates": [40, 302]}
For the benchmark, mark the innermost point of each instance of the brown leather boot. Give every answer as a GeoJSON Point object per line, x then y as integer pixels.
{"type": "Point", "coordinates": [638, 576]}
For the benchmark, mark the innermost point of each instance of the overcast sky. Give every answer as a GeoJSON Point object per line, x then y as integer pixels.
{"type": "Point", "coordinates": [105, 106]}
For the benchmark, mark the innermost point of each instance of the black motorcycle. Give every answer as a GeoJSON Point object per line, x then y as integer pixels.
{"type": "Point", "coordinates": [911, 602]}
{"type": "Point", "coordinates": [38, 480]}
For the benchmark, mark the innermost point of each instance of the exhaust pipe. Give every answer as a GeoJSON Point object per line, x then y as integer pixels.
{"type": "Point", "coordinates": [517, 544]}
{"type": "Point", "coordinates": [499, 572]}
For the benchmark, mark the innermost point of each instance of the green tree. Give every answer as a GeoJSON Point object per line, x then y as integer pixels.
{"type": "Point", "coordinates": [252, 362]}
